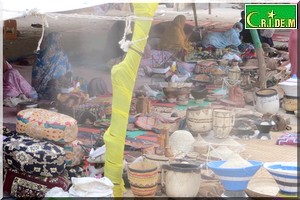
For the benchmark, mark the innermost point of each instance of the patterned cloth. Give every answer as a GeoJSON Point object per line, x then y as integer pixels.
{"type": "Point", "coordinates": [154, 58]}
{"type": "Point", "coordinates": [44, 124]}
{"type": "Point", "coordinates": [223, 39]}
{"type": "Point", "coordinates": [52, 63]}
{"type": "Point", "coordinates": [248, 51]}
{"type": "Point", "coordinates": [74, 153]}
{"type": "Point", "coordinates": [15, 84]}
{"type": "Point", "coordinates": [288, 139]}
{"type": "Point", "coordinates": [22, 185]}
{"type": "Point", "coordinates": [38, 158]}
{"type": "Point", "coordinates": [76, 171]}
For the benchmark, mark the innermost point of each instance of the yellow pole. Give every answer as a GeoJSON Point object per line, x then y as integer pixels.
{"type": "Point", "coordinates": [123, 77]}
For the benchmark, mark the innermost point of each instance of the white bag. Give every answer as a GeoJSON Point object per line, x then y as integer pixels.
{"type": "Point", "coordinates": [57, 192]}
{"type": "Point", "coordinates": [91, 187]}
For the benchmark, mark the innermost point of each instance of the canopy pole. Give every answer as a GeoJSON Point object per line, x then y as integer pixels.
{"type": "Point", "coordinates": [196, 20]}
{"type": "Point", "coordinates": [260, 57]}
{"type": "Point", "coordinates": [195, 14]}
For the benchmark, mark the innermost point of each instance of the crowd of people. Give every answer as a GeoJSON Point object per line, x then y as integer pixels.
{"type": "Point", "coordinates": [52, 70]}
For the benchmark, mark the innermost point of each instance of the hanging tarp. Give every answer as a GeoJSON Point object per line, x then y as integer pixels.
{"type": "Point", "coordinates": [15, 8]}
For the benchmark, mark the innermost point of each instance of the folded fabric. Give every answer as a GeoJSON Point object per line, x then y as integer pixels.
{"type": "Point", "coordinates": [74, 153]}
{"type": "Point", "coordinates": [44, 124]}
{"type": "Point", "coordinates": [288, 139]}
{"type": "Point", "coordinates": [22, 185]}
{"type": "Point", "coordinates": [38, 158]}
{"type": "Point", "coordinates": [75, 171]}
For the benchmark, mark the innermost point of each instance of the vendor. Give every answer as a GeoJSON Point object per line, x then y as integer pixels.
{"type": "Point", "coordinates": [52, 64]}
{"type": "Point", "coordinates": [174, 39]}
{"type": "Point", "coordinates": [245, 35]}
{"type": "Point", "coordinates": [224, 39]}
{"type": "Point", "coordinates": [14, 84]}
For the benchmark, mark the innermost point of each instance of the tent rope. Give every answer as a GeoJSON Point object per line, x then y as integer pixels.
{"type": "Point", "coordinates": [44, 23]}
{"type": "Point", "coordinates": [115, 18]}
{"type": "Point", "coordinates": [126, 44]}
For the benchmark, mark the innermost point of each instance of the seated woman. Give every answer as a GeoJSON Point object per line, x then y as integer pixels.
{"type": "Point", "coordinates": [15, 84]}
{"type": "Point", "coordinates": [52, 64]}
{"type": "Point", "coordinates": [174, 39]}
{"type": "Point", "coordinates": [223, 39]}
{"type": "Point", "coordinates": [153, 58]}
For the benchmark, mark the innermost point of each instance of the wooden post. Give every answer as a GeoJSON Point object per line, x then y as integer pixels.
{"type": "Point", "coordinates": [260, 57]}
{"type": "Point", "coordinates": [195, 14]}
{"type": "Point", "coordinates": [209, 8]}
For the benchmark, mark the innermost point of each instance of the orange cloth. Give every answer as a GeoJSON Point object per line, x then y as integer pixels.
{"type": "Point", "coordinates": [174, 38]}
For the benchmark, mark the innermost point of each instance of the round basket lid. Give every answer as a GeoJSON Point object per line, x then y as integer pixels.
{"type": "Point", "coordinates": [156, 157]}
{"type": "Point", "coordinates": [262, 187]}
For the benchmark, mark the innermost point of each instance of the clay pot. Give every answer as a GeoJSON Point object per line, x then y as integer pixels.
{"type": "Point", "coordinates": [267, 101]}
{"type": "Point", "coordinates": [199, 120]}
{"type": "Point", "coordinates": [183, 95]}
{"type": "Point", "coordinates": [289, 103]}
{"type": "Point", "coordinates": [199, 92]}
{"type": "Point", "coordinates": [170, 93]}
{"type": "Point", "coordinates": [264, 126]}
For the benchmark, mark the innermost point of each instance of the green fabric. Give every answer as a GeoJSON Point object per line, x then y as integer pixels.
{"type": "Point", "coordinates": [192, 103]}
{"type": "Point", "coordinates": [134, 134]}
{"type": "Point", "coordinates": [255, 38]}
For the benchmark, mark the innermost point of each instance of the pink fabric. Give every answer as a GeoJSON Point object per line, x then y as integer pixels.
{"type": "Point", "coordinates": [15, 84]}
{"type": "Point", "coordinates": [293, 53]}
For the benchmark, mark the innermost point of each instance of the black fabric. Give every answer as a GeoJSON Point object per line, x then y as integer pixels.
{"type": "Point", "coordinates": [39, 158]}
{"type": "Point", "coordinates": [267, 40]}
{"type": "Point", "coordinates": [246, 35]}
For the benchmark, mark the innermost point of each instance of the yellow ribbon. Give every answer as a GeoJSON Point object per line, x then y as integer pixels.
{"type": "Point", "coordinates": [123, 76]}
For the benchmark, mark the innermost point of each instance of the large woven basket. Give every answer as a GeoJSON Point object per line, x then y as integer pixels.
{"type": "Point", "coordinates": [143, 177]}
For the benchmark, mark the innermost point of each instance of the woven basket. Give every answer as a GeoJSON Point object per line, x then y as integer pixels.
{"type": "Point", "coordinates": [143, 178]}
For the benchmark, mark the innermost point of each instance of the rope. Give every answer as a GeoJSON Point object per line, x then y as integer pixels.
{"type": "Point", "coordinates": [126, 44]}
{"type": "Point", "coordinates": [44, 23]}
{"type": "Point", "coordinates": [115, 18]}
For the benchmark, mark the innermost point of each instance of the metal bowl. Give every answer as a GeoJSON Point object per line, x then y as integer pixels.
{"type": "Point", "coordinates": [26, 105]}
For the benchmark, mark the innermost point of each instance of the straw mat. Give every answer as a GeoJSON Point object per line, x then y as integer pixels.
{"type": "Point", "coordinates": [268, 151]}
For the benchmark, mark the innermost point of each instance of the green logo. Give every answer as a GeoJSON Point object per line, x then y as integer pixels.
{"type": "Point", "coordinates": [267, 16]}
